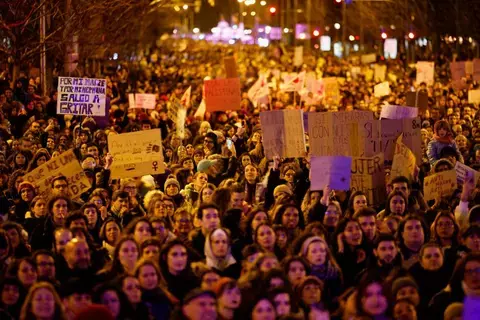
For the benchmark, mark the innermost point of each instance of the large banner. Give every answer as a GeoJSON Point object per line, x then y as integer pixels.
{"type": "Point", "coordinates": [222, 94]}
{"type": "Point", "coordinates": [81, 96]}
{"type": "Point", "coordinates": [66, 164]}
{"type": "Point", "coordinates": [340, 133]}
{"type": "Point", "coordinates": [283, 133]}
{"type": "Point", "coordinates": [368, 176]}
{"type": "Point", "coordinates": [136, 154]}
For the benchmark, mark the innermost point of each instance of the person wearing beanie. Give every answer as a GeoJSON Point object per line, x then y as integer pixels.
{"type": "Point", "coordinates": [281, 191]}
{"type": "Point", "coordinates": [406, 287]}
{"type": "Point", "coordinates": [26, 190]}
{"type": "Point", "coordinates": [172, 190]}
{"type": "Point", "coordinates": [454, 311]}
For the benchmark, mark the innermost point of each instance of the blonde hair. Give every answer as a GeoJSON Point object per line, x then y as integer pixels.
{"type": "Point", "coordinates": [26, 312]}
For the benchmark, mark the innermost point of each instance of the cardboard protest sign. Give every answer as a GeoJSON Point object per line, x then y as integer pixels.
{"type": "Point", "coordinates": [81, 96]}
{"type": "Point", "coordinates": [458, 70]}
{"type": "Point", "coordinates": [368, 58]}
{"type": "Point", "coordinates": [425, 72]}
{"type": "Point", "coordinates": [283, 133]}
{"type": "Point", "coordinates": [355, 71]}
{"type": "Point", "coordinates": [473, 96]}
{"type": "Point", "coordinates": [200, 113]}
{"type": "Point", "coordinates": [417, 99]}
{"type": "Point", "coordinates": [222, 94]}
{"type": "Point", "coordinates": [136, 154]}
{"type": "Point", "coordinates": [381, 89]}
{"type": "Point", "coordinates": [380, 72]}
{"type": "Point", "coordinates": [403, 161]}
{"type": "Point", "coordinates": [141, 101]}
{"type": "Point", "coordinates": [440, 184]}
{"type": "Point", "coordinates": [476, 69]}
{"type": "Point", "coordinates": [66, 164]}
{"type": "Point", "coordinates": [368, 175]}
{"type": "Point", "coordinates": [331, 171]}
{"type": "Point", "coordinates": [398, 112]}
{"type": "Point", "coordinates": [180, 124]}
{"type": "Point", "coordinates": [339, 133]}
{"type": "Point", "coordinates": [462, 170]}
{"type": "Point", "coordinates": [391, 129]}
{"type": "Point", "coordinates": [331, 89]}
{"type": "Point", "coordinates": [469, 67]}
{"type": "Point", "coordinates": [298, 56]}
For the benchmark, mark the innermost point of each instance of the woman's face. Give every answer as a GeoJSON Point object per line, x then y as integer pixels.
{"type": "Point", "coordinates": [251, 173]}
{"type": "Point", "coordinates": [473, 242]}
{"type": "Point", "coordinates": [432, 259]}
{"type": "Point", "coordinates": [91, 214]}
{"type": "Point", "coordinates": [246, 161]}
{"type": "Point", "coordinates": [219, 243]}
{"type": "Point", "coordinates": [282, 304]}
{"type": "Point", "coordinates": [268, 264]}
{"type": "Point", "coordinates": [20, 159]}
{"type": "Point", "coordinates": [10, 295]}
{"type": "Point", "coordinates": [131, 288]}
{"type": "Point", "coordinates": [161, 231]}
{"type": "Point", "coordinates": [43, 304]}
{"type": "Point", "coordinates": [197, 157]}
{"type": "Point", "coordinates": [14, 237]}
{"type": "Point", "coordinates": [260, 217]}
{"type": "Point", "coordinates": [317, 253]}
{"type": "Point", "coordinates": [445, 228]}
{"type": "Point", "coordinates": [177, 259]}
{"type": "Point", "coordinates": [359, 202]}
{"type": "Point", "coordinates": [188, 164]}
{"type": "Point", "coordinates": [128, 254]}
{"type": "Point", "coordinates": [290, 218]}
{"type": "Point", "coordinates": [311, 294]}
{"type": "Point", "coordinates": [397, 205]}
{"type": "Point", "coordinates": [207, 194]}
{"type": "Point", "coordinates": [27, 274]}
{"type": "Point", "coordinates": [27, 194]}
{"type": "Point", "coordinates": [112, 232]}
{"type": "Point", "coordinates": [353, 234]}
{"type": "Point", "coordinates": [442, 132]}
{"type": "Point", "coordinates": [111, 300]}
{"type": "Point", "coordinates": [231, 298]}
{"type": "Point", "coordinates": [41, 160]}
{"type": "Point", "coordinates": [131, 188]}
{"type": "Point", "coordinates": [148, 277]}
{"type": "Point", "coordinates": [296, 272]}
{"type": "Point", "coordinates": [159, 209]}
{"type": "Point", "coordinates": [410, 293]}
{"type": "Point", "coordinates": [331, 216]}
{"type": "Point", "coordinates": [282, 239]}
{"type": "Point", "coordinates": [142, 232]}
{"type": "Point", "coordinates": [290, 175]}
{"type": "Point", "coordinates": [151, 252]}
{"type": "Point", "coordinates": [201, 179]}
{"type": "Point", "coordinates": [374, 303]}
{"type": "Point", "coordinates": [266, 237]}
{"type": "Point", "coordinates": [263, 310]}
{"type": "Point", "coordinates": [314, 197]}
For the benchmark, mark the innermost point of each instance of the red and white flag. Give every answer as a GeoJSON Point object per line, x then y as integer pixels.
{"type": "Point", "coordinates": [185, 100]}
{"type": "Point", "coordinates": [296, 83]}
{"type": "Point", "coordinates": [258, 90]}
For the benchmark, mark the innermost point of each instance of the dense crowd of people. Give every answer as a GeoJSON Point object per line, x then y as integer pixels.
{"type": "Point", "coordinates": [224, 232]}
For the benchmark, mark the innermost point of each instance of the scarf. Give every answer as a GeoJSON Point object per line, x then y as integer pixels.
{"type": "Point", "coordinates": [214, 262]}
{"type": "Point", "coordinates": [447, 139]}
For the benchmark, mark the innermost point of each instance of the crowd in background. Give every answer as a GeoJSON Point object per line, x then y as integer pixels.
{"type": "Point", "coordinates": [224, 232]}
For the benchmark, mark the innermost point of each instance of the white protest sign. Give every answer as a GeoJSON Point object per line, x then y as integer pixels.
{"type": "Point", "coordinates": [368, 58]}
{"type": "Point", "coordinates": [398, 112]}
{"type": "Point", "coordinates": [298, 56]}
{"type": "Point", "coordinates": [332, 171]}
{"type": "Point", "coordinates": [380, 72]}
{"type": "Point", "coordinates": [136, 154]}
{"type": "Point", "coordinates": [473, 96]}
{"type": "Point", "coordinates": [381, 89]}
{"type": "Point", "coordinates": [462, 170]}
{"type": "Point", "coordinates": [425, 72]}
{"type": "Point", "coordinates": [180, 125]}
{"type": "Point", "coordinates": [81, 96]}
{"type": "Point", "coordinates": [142, 101]}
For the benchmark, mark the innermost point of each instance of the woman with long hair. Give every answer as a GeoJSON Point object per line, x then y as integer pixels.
{"type": "Point", "coordinates": [110, 233]}
{"type": "Point", "coordinates": [42, 303]}
{"type": "Point", "coordinates": [124, 259]}
{"type": "Point", "coordinates": [40, 157]}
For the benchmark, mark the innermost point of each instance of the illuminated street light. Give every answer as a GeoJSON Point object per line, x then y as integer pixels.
{"type": "Point", "coordinates": [337, 26]}
{"type": "Point", "coordinates": [244, 14]}
{"type": "Point", "coordinates": [272, 10]}
{"type": "Point", "coordinates": [185, 7]}
{"type": "Point", "coordinates": [196, 30]}
{"type": "Point", "coordinates": [263, 3]}
{"type": "Point", "coordinates": [253, 13]}
{"type": "Point", "coordinates": [316, 33]}
{"type": "Point", "coordinates": [176, 8]}
{"type": "Point", "coordinates": [411, 35]}
{"type": "Point", "coordinates": [351, 38]}
{"type": "Point", "coordinates": [285, 30]}
{"type": "Point", "coordinates": [384, 35]}
{"type": "Point", "coordinates": [268, 29]}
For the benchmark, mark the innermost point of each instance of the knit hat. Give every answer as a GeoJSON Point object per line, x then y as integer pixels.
{"type": "Point", "coordinates": [171, 181]}
{"type": "Point", "coordinates": [307, 280]}
{"type": "Point", "coordinates": [203, 165]}
{"type": "Point", "coordinates": [94, 312]}
{"type": "Point", "coordinates": [454, 310]}
{"type": "Point", "coordinates": [282, 188]}
{"type": "Point", "coordinates": [403, 282]}
{"type": "Point", "coordinates": [25, 184]}
{"type": "Point", "coordinates": [196, 293]}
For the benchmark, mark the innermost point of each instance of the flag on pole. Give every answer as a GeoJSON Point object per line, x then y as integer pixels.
{"type": "Point", "coordinates": [185, 100]}
{"type": "Point", "coordinates": [258, 90]}
{"type": "Point", "coordinates": [296, 83]}
{"type": "Point", "coordinates": [200, 113]}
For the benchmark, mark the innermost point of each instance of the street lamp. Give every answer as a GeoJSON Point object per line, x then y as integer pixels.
{"type": "Point", "coordinates": [185, 7]}
{"type": "Point", "coordinates": [411, 35]}
{"type": "Point", "coordinates": [337, 26]}
{"type": "Point", "coordinates": [384, 35]}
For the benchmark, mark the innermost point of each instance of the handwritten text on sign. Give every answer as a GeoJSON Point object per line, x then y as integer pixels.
{"type": "Point", "coordinates": [368, 175]}
{"type": "Point", "coordinates": [403, 161]}
{"type": "Point", "coordinates": [222, 94]}
{"type": "Point", "coordinates": [66, 164]}
{"type": "Point", "coordinates": [141, 101]}
{"type": "Point", "coordinates": [136, 154]}
{"type": "Point", "coordinates": [440, 184]}
{"type": "Point", "coordinates": [283, 133]}
{"type": "Point", "coordinates": [81, 96]}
